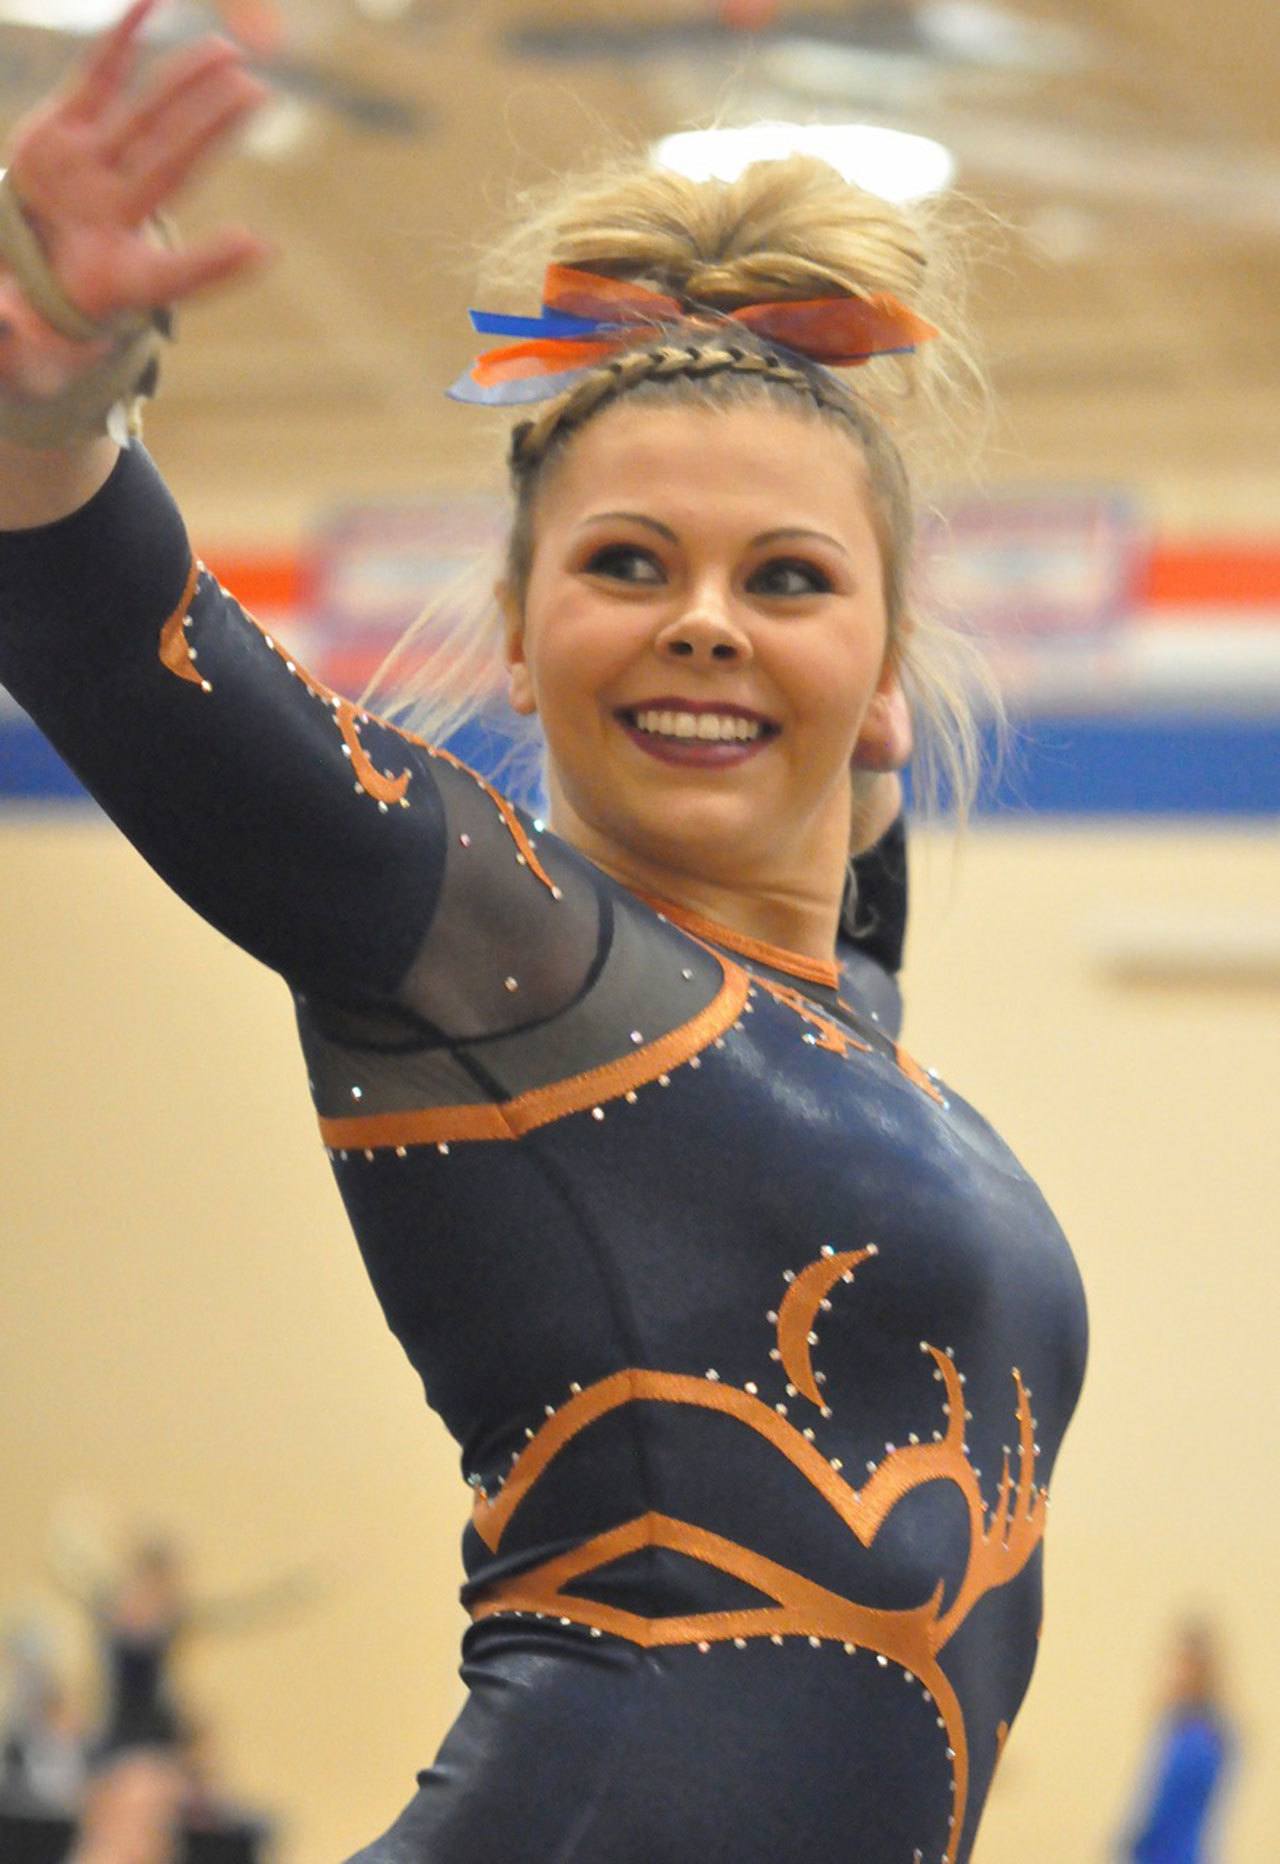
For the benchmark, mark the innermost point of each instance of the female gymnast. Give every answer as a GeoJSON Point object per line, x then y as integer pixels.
{"type": "Point", "coordinates": [757, 1343]}
{"type": "Point", "coordinates": [143, 1610]}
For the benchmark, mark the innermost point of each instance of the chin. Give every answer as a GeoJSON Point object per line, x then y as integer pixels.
{"type": "Point", "coordinates": [716, 838]}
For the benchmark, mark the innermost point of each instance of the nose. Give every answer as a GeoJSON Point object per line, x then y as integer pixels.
{"type": "Point", "coordinates": [705, 633]}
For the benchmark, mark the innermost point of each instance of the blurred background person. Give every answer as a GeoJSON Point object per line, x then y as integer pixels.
{"type": "Point", "coordinates": [141, 1613]}
{"type": "Point", "coordinates": [1190, 1755]}
{"type": "Point", "coordinates": [42, 1761]}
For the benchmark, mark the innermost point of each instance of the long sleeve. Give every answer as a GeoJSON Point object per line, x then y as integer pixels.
{"type": "Point", "coordinates": [310, 834]}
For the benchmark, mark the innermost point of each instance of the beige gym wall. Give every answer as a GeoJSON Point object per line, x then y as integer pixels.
{"type": "Point", "coordinates": [191, 1341]}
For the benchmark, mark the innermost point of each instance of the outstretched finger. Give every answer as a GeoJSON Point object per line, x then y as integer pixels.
{"type": "Point", "coordinates": [110, 63]}
{"type": "Point", "coordinates": [168, 277]}
{"type": "Point", "coordinates": [169, 156]}
{"type": "Point", "coordinates": [170, 87]}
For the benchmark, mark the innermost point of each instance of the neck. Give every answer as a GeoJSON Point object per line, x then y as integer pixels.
{"type": "Point", "coordinates": [799, 918]}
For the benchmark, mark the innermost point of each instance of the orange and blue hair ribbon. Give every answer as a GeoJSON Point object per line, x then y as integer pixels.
{"type": "Point", "coordinates": [586, 318]}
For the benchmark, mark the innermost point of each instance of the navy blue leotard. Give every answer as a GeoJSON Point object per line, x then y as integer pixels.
{"type": "Point", "coordinates": [757, 1343]}
{"type": "Point", "coordinates": [140, 1709]}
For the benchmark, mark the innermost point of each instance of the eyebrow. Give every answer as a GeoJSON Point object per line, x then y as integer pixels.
{"type": "Point", "coordinates": [664, 530]}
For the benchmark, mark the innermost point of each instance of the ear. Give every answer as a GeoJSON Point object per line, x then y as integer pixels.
{"type": "Point", "coordinates": [885, 739]}
{"type": "Point", "coordinates": [520, 694]}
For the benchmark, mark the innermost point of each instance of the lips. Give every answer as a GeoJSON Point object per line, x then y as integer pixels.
{"type": "Point", "coordinates": [691, 749]}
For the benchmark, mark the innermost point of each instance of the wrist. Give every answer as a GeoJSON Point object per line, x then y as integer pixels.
{"type": "Point", "coordinates": [65, 378]}
{"type": "Point", "coordinates": [39, 487]}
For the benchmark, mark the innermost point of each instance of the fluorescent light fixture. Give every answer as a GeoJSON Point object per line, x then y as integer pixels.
{"type": "Point", "coordinates": [62, 15]}
{"type": "Point", "coordinates": [279, 131]}
{"type": "Point", "coordinates": [888, 162]}
{"type": "Point", "coordinates": [988, 35]}
{"type": "Point", "coordinates": [86, 17]}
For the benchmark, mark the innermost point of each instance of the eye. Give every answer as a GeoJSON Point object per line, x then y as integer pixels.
{"type": "Point", "coordinates": [625, 563]}
{"type": "Point", "coordinates": [786, 576]}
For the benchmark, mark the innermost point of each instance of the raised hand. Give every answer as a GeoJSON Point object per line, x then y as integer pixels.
{"type": "Point", "coordinates": [93, 163]}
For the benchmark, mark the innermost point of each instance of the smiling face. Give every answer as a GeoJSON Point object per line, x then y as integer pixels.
{"type": "Point", "coordinates": [702, 635]}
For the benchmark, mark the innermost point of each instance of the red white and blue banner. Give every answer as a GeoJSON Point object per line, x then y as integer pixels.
{"type": "Point", "coordinates": [1142, 673]}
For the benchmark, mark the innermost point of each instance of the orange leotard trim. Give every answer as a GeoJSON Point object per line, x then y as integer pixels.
{"type": "Point", "coordinates": [777, 957]}
{"type": "Point", "coordinates": [510, 1119]}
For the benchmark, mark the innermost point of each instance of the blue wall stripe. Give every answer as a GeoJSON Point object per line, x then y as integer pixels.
{"type": "Point", "coordinates": [30, 768]}
{"type": "Point", "coordinates": [1188, 764]}
{"type": "Point", "coordinates": [1144, 764]}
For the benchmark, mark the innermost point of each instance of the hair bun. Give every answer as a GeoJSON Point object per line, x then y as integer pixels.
{"type": "Point", "coordinates": [720, 286]}
{"type": "Point", "coordinates": [783, 231]}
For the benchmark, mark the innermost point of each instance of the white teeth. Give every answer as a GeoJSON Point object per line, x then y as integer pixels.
{"type": "Point", "coordinates": [711, 727]}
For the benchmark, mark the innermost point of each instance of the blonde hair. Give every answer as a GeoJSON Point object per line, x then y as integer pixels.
{"type": "Point", "coordinates": [783, 231]}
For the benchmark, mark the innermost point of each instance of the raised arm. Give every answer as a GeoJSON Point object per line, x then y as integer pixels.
{"type": "Point", "coordinates": [78, 1560]}
{"type": "Point", "coordinates": [259, 1605]}
{"type": "Point", "coordinates": [310, 835]}
{"type": "Point", "coordinates": [88, 170]}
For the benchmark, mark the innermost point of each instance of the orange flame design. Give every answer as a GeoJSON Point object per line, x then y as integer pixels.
{"type": "Point", "coordinates": [831, 1036]}
{"type": "Point", "coordinates": [385, 789]}
{"type": "Point", "coordinates": [799, 1311]}
{"type": "Point", "coordinates": [998, 1548]}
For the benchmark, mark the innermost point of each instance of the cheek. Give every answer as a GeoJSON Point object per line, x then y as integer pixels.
{"type": "Point", "coordinates": [576, 653]}
{"type": "Point", "coordinates": [834, 682]}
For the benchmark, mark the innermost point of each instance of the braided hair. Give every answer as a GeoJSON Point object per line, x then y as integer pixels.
{"type": "Point", "coordinates": [530, 440]}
